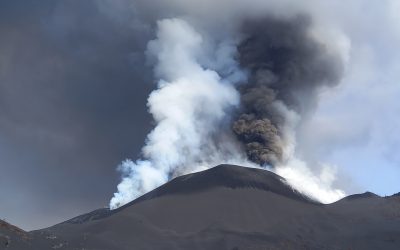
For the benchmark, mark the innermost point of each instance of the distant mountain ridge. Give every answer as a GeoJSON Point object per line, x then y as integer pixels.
{"type": "Point", "coordinates": [234, 208]}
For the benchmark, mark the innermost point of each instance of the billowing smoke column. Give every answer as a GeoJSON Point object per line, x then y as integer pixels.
{"type": "Point", "coordinates": [190, 106]}
{"type": "Point", "coordinates": [232, 97]}
{"type": "Point", "coordinates": [286, 67]}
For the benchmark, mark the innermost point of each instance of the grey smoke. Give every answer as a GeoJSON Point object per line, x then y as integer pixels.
{"type": "Point", "coordinates": [287, 65]}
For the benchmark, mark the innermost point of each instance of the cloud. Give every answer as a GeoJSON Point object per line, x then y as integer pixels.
{"type": "Point", "coordinates": [356, 121]}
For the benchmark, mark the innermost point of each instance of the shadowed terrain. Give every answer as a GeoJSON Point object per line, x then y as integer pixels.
{"type": "Point", "coordinates": [226, 207]}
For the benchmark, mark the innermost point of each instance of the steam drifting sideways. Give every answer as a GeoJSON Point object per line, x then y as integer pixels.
{"type": "Point", "coordinates": [232, 97]}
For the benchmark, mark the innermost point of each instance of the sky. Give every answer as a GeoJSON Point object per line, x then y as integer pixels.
{"type": "Point", "coordinates": [73, 90]}
{"type": "Point", "coordinates": [357, 122]}
{"type": "Point", "coordinates": [74, 83]}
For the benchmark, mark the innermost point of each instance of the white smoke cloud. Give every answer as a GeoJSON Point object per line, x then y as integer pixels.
{"type": "Point", "coordinates": [318, 186]}
{"type": "Point", "coordinates": [190, 104]}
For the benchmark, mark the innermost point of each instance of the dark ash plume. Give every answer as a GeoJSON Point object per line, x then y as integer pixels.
{"type": "Point", "coordinates": [286, 65]}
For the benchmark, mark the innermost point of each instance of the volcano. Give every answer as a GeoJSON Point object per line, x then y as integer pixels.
{"type": "Point", "coordinates": [225, 207]}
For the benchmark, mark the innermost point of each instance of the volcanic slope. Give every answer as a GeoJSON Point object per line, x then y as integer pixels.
{"type": "Point", "coordinates": [231, 207]}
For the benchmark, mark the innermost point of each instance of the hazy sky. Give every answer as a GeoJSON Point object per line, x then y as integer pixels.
{"type": "Point", "coordinates": [73, 90]}
{"type": "Point", "coordinates": [356, 124]}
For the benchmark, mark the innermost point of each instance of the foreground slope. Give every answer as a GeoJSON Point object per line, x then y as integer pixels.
{"type": "Point", "coordinates": [231, 207]}
{"type": "Point", "coordinates": [10, 234]}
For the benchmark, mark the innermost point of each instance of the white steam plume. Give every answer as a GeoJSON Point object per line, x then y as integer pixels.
{"type": "Point", "coordinates": [316, 185]}
{"type": "Point", "coordinates": [190, 104]}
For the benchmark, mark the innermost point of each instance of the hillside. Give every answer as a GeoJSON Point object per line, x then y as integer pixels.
{"type": "Point", "coordinates": [230, 207]}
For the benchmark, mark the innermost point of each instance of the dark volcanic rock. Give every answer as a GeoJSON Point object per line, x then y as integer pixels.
{"type": "Point", "coordinates": [228, 176]}
{"type": "Point", "coordinates": [233, 208]}
{"type": "Point", "coordinates": [12, 237]}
